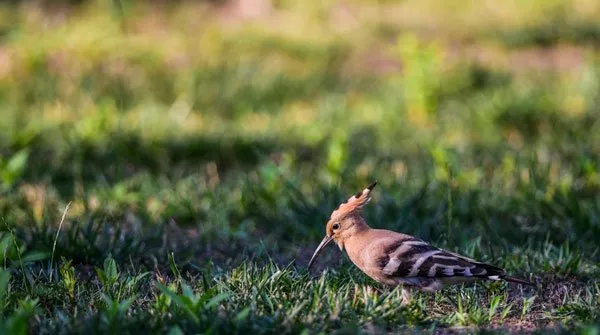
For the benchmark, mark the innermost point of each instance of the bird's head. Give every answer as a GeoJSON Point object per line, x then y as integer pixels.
{"type": "Point", "coordinates": [344, 221]}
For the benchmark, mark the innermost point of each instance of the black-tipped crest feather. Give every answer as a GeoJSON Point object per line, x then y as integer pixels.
{"type": "Point", "coordinates": [372, 186]}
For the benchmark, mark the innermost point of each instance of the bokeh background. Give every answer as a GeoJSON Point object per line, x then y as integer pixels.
{"type": "Point", "coordinates": [217, 132]}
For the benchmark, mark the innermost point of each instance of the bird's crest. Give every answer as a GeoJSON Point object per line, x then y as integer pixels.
{"type": "Point", "coordinates": [354, 203]}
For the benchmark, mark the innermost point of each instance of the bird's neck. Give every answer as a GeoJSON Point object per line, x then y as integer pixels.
{"type": "Point", "coordinates": [356, 242]}
{"type": "Point", "coordinates": [358, 227]}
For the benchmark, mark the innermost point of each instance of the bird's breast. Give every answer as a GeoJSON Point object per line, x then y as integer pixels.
{"type": "Point", "coordinates": [360, 253]}
{"type": "Point", "coordinates": [356, 252]}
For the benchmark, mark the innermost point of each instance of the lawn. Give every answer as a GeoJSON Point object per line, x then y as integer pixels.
{"type": "Point", "coordinates": [169, 166]}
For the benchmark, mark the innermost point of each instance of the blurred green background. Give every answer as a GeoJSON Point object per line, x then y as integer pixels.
{"type": "Point", "coordinates": [126, 107]}
{"type": "Point", "coordinates": [221, 131]}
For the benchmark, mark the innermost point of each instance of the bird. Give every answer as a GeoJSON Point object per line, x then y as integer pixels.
{"type": "Point", "coordinates": [395, 259]}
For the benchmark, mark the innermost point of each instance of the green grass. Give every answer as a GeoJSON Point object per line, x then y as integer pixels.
{"type": "Point", "coordinates": [201, 154]}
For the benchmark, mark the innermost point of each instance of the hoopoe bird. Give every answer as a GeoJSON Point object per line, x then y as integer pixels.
{"type": "Point", "coordinates": [394, 259]}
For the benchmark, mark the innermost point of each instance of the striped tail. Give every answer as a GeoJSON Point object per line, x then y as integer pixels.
{"type": "Point", "coordinates": [496, 273]}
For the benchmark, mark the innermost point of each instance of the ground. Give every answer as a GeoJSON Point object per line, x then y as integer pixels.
{"type": "Point", "coordinates": [169, 167]}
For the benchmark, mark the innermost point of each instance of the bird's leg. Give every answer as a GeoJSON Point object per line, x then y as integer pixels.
{"type": "Point", "coordinates": [406, 296]}
{"type": "Point", "coordinates": [381, 289]}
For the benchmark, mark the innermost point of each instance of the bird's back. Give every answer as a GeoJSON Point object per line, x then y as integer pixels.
{"type": "Point", "coordinates": [394, 258]}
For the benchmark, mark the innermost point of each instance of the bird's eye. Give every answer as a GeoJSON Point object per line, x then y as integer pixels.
{"type": "Point", "coordinates": [335, 226]}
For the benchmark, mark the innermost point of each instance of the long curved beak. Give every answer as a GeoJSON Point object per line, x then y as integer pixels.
{"type": "Point", "coordinates": [322, 245]}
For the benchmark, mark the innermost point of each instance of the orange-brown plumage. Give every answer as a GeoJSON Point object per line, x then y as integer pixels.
{"type": "Point", "coordinates": [393, 258]}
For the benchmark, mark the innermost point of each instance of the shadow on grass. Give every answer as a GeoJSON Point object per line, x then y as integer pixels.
{"type": "Point", "coordinates": [126, 154]}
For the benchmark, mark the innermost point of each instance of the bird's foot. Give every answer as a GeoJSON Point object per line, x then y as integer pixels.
{"type": "Point", "coordinates": [406, 297]}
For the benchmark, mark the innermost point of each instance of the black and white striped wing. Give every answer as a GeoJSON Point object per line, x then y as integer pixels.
{"type": "Point", "coordinates": [415, 258]}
